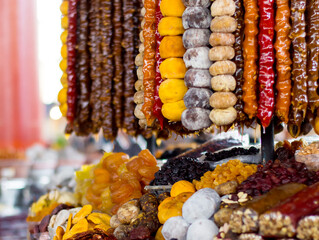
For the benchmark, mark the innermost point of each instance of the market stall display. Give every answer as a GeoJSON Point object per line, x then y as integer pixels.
{"type": "Point", "coordinates": [172, 66]}
{"type": "Point", "coordinates": [233, 201]}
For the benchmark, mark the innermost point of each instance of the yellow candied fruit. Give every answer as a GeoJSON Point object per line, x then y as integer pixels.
{"type": "Point", "coordinates": [65, 22]}
{"type": "Point", "coordinates": [64, 64]}
{"type": "Point", "coordinates": [173, 68]}
{"type": "Point", "coordinates": [63, 109]}
{"type": "Point", "coordinates": [64, 36]}
{"type": "Point", "coordinates": [64, 7]}
{"type": "Point", "coordinates": [172, 90]}
{"type": "Point", "coordinates": [172, 46]}
{"type": "Point", "coordinates": [232, 170]}
{"type": "Point", "coordinates": [64, 51]}
{"type": "Point", "coordinates": [171, 26]}
{"type": "Point", "coordinates": [173, 111]}
{"type": "Point", "coordinates": [172, 8]}
{"type": "Point", "coordinates": [62, 95]}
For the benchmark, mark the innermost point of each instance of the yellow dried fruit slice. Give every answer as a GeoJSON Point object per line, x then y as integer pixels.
{"type": "Point", "coordinates": [81, 226]}
{"type": "Point", "coordinates": [69, 224]}
{"type": "Point", "coordinates": [102, 227]}
{"type": "Point", "coordinates": [86, 210]}
{"type": "Point", "coordinates": [99, 218]}
{"type": "Point", "coordinates": [59, 233]}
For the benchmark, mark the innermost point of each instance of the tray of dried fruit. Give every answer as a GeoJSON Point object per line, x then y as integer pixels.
{"type": "Point", "coordinates": [193, 164]}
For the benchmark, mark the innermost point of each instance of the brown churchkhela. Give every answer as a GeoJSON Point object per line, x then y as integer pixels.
{"type": "Point", "coordinates": [82, 122]}
{"type": "Point", "coordinates": [283, 61]}
{"type": "Point", "coordinates": [95, 64]}
{"type": "Point", "coordinates": [102, 88]}
{"type": "Point", "coordinates": [129, 65]}
{"type": "Point", "coordinates": [299, 98]}
{"type": "Point", "coordinates": [107, 110]}
{"type": "Point", "coordinates": [118, 61]}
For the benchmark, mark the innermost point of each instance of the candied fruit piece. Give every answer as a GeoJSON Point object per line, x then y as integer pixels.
{"type": "Point", "coordinates": [148, 172]}
{"type": "Point", "coordinates": [113, 161]}
{"type": "Point", "coordinates": [134, 164]}
{"type": "Point", "coordinates": [92, 198]}
{"type": "Point", "coordinates": [135, 184]}
{"type": "Point", "coordinates": [147, 158]}
{"type": "Point", "coordinates": [101, 176]}
{"type": "Point", "coordinates": [122, 193]}
{"type": "Point", "coordinates": [97, 189]}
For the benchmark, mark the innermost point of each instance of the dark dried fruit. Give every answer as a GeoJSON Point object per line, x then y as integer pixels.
{"type": "Point", "coordinates": [276, 173]}
{"type": "Point", "coordinates": [183, 168]}
{"type": "Point", "coordinates": [237, 151]}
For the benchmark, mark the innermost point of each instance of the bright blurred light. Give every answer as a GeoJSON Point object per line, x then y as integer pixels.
{"type": "Point", "coordinates": [55, 113]}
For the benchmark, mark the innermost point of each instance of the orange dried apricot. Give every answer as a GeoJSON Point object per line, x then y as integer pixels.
{"type": "Point", "coordinates": [181, 187]}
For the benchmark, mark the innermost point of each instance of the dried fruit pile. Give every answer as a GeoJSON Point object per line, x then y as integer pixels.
{"type": "Point", "coordinates": [276, 173]}
{"type": "Point", "coordinates": [180, 169]}
{"type": "Point", "coordinates": [115, 180]}
{"type": "Point", "coordinates": [232, 170]}
{"type": "Point", "coordinates": [80, 223]}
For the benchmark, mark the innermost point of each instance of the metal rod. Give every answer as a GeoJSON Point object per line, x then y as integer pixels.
{"type": "Point", "coordinates": [267, 143]}
{"type": "Point", "coordinates": [151, 144]}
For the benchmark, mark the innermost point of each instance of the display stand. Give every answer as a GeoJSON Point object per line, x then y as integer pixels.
{"type": "Point", "coordinates": [267, 143]}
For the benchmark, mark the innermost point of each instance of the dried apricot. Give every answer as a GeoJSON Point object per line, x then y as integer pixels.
{"type": "Point", "coordinates": [182, 186]}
